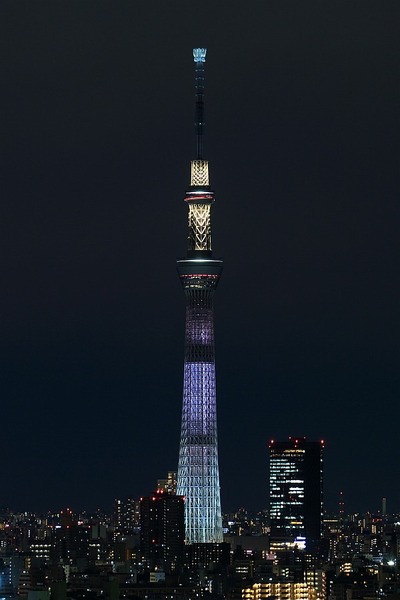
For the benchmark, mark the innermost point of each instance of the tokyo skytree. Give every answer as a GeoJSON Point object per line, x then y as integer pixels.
{"type": "Point", "coordinates": [199, 272]}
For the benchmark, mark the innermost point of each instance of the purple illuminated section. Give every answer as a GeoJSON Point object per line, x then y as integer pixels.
{"type": "Point", "coordinates": [199, 401]}
{"type": "Point", "coordinates": [199, 328]}
{"type": "Point", "coordinates": [198, 474]}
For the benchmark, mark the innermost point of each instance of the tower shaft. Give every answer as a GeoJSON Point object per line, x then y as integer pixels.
{"type": "Point", "coordinates": [198, 472]}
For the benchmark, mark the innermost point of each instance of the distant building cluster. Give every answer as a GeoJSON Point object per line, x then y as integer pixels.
{"type": "Point", "coordinates": [291, 551]}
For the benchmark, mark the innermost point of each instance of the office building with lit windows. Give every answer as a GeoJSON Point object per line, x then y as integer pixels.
{"type": "Point", "coordinates": [280, 591]}
{"type": "Point", "coordinates": [126, 516]}
{"type": "Point", "coordinates": [295, 493]}
{"type": "Point", "coordinates": [169, 484]}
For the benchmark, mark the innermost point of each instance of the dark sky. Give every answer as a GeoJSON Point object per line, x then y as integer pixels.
{"type": "Point", "coordinates": [96, 136]}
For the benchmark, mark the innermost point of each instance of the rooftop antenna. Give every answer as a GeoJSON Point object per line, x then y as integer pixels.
{"type": "Point", "coordinates": [199, 56]}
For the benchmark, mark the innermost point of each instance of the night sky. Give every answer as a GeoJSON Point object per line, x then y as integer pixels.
{"type": "Point", "coordinates": [96, 138]}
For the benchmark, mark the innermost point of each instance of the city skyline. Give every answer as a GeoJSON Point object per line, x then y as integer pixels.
{"type": "Point", "coordinates": [302, 133]}
{"type": "Point", "coordinates": [139, 550]}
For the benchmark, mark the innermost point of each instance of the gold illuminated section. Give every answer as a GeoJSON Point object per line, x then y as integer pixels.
{"type": "Point", "coordinates": [200, 226]}
{"type": "Point", "coordinates": [199, 173]}
{"type": "Point", "coordinates": [199, 200]}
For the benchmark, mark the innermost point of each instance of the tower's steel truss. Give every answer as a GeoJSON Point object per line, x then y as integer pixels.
{"type": "Point", "coordinates": [198, 473]}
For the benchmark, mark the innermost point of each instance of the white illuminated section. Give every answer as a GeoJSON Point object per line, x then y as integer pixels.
{"type": "Point", "coordinates": [300, 542]}
{"type": "Point", "coordinates": [199, 55]}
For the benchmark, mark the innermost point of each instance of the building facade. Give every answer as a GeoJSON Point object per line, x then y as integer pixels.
{"type": "Point", "coordinates": [126, 516]}
{"type": "Point", "coordinates": [169, 484]}
{"type": "Point", "coordinates": [162, 531]}
{"type": "Point", "coordinates": [280, 591]}
{"type": "Point", "coordinates": [296, 493]}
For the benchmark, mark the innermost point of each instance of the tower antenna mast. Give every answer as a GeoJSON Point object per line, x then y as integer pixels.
{"type": "Point", "coordinates": [199, 55]}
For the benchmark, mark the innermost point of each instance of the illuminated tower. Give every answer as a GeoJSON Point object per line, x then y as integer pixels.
{"type": "Point", "coordinates": [199, 272]}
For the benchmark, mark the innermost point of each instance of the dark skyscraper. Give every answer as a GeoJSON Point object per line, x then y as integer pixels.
{"type": "Point", "coordinates": [199, 272]}
{"type": "Point", "coordinates": [162, 530]}
{"type": "Point", "coordinates": [295, 491]}
{"type": "Point", "coordinates": [70, 541]}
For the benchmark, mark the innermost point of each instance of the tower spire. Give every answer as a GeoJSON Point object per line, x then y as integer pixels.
{"type": "Point", "coordinates": [199, 56]}
{"type": "Point", "coordinates": [199, 197]}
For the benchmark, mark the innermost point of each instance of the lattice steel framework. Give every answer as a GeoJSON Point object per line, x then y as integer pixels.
{"type": "Point", "coordinates": [198, 473]}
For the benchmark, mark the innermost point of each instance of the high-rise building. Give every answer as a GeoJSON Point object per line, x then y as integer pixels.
{"type": "Point", "coordinates": [168, 484]}
{"type": "Point", "coordinates": [126, 516]}
{"type": "Point", "coordinates": [199, 272]}
{"type": "Point", "coordinates": [70, 540]}
{"type": "Point", "coordinates": [295, 492]}
{"type": "Point", "coordinates": [162, 530]}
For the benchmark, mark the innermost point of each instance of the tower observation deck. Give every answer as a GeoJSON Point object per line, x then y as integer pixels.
{"type": "Point", "coordinates": [199, 272]}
